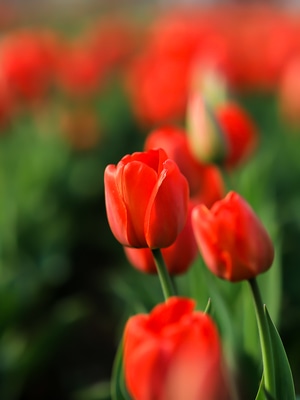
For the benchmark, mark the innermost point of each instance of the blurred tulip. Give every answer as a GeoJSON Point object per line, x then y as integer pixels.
{"type": "Point", "coordinates": [178, 257]}
{"type": "Point", "coordinates": [157, 85]}
{"type": "Point", "coordinates": [233, 242]}
{"type": "Point", "coordinates": [205, 182]}
{"type": "Point", "coordinates": [225, 135]}
{"type": "Point", "coordinates": [206, 140]}
{"type": "Point", "coordinates": [78, 71]}
{"type": "Point", "coordinates": [146, 199]}
{"type": "Point", "coordinates": [289, 92]}
{"type": "Point", "coordinates": [174, 353]}
{"type": "Point", "coordinates": [211, 70]}
{"type": "Point", "coordinates": [240, 133]}
{"type": "Point", "coordinates": [27, 62]}
{"type": "Point", "coordinates": [158, 78]}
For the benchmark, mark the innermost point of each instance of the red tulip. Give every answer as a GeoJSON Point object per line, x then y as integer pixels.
{"type": "Point", "coordinates": [174, 353]}
{"type": "Point", "coordinates": [157, 85]}
{"type": "Point", "coordinates": [178, 257]}
{"type": "Point", "coordinates": [27, 59]}
{"type": "Point", "coordinates": [239, 131]}
{"type": "Point", "coordinates": [205, 182]}
{"type": "Point", "coordinates": [146, 199]}
{"type": "Point", "coordinates": [232, 240]}
{"type": "Point", "coordinates": [224, 135]}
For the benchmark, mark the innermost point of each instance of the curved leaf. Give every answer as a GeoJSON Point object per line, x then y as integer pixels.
{"type": "Point", "coordinates": [260, 394]}
{"type": "Point", "coordinates": [118, 388]}
{"type": "Point", "coordinates": [283, 376]}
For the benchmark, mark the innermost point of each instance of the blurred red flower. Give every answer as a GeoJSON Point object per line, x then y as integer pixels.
{"type": "Point", "coordinates": [233, 242]}
{"type": "Point", "coordinates": [27, 62]}
{"type": "Point", "coordinates": [240, 133]}
{"type": "Point", "coordinates": [225, 134]}
{"type": "Point", "coordinates": [174, 353]}
{"type": "Point", "coordinates": [205, 182]}
{"type": "Point", "coordinates": [78, 71]}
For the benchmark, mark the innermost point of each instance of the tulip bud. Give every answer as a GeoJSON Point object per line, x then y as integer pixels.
{"type": "Point", "coordinates": [209, 79]}
{"type": "Point", "coordinates": [233, 242]}
{"type": "Point", "coordinates": [225, 135]}
{"type": "Point", "coordinates": [174, 353]}
{"type": "Point", "coordinates": [239, 132]}
{"type": "Point", "coordinates": [146, 199]}
{"type": "Point", "coordinates": [206, 139]}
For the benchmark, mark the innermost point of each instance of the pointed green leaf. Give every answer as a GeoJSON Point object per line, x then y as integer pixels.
{"type": "Point", "coordinates": [260, 394]}
{"type": "Point", "coordinates": [283, 376]}
{"type": "Point", "coordinates": [118, 388]}
{"type": "Point", "coordinates": [208, 308]}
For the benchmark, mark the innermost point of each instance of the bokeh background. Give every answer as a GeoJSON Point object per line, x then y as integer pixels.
{"type": "Point", "coordinates": [81, 85]}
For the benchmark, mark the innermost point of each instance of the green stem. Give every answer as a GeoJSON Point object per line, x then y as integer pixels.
{"type": "Point", "coordinates": [265, 340]}
{"type": "Point", "coordinates": [164, 277]}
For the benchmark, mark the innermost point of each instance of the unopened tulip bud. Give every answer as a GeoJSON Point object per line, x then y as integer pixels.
{"type": "Point", "coordinates": [233, 242]}
{"type": "Point", "coordinates": [205, 136]}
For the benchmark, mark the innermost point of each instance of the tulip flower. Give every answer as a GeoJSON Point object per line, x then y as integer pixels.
{"type": "Point", "coordinates": [146, 199]}
{"type": "Point", "coordinates": [205, 181]}
{"type": "Point", "coordinates": [232, 240]}
{"type": "Point", "coordinates": [27, 62]}
{"type": "Point", "coordinates": [178, 257]}
{"type": "Point", "coordinates": [224, 135]}
{"type": "Point", "coordinates": [206, 140]}
{"type": "Point", "coordinates": [240, 133]}
{"type": "Point", "coordinates": [174, 353]}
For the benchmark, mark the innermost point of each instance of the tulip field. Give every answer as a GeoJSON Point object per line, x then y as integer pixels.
{"type": "Point", "coordinates": [150, 204]}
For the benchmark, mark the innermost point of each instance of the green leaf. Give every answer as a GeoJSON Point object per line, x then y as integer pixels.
{"type": "Point", "coordinates": [283, 376]}
{"type": "Point", "coordinates": [118, 388]}
{"type": "Point", "coordinates": [208, 308]}
{"type": "Point", "coordinates": [268, 396]}
{"type": "Point", "coordinates": [260, 394]}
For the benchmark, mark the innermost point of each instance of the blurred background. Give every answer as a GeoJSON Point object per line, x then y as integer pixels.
{"type": "Point", "coordinates": [81, 84]}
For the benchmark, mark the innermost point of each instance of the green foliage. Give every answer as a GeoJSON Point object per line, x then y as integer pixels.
{"type": "Point", "coordinates": [283, 375]}
{"type": "Point", "coordinates": [118, 388]}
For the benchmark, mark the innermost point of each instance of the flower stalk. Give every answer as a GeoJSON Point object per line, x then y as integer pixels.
{"type": "Point", "coordinates": [164, 277]}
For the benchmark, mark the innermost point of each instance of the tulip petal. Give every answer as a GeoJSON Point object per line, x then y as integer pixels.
{"type": "Point", "coordinates": [168, 207]}
{"type": "Point", "coordinates": [142, 259]}
{"type": "Point", "coordinates": [115, 207]}
{"type": "Point", "coordinates": [232, 240]}
{"type": "Point", "coordinates": [205, 233]}
{"type": "Point", "coordinates": [174, 353]}
{"type": "Point", "coordinates": [137, 182]}
{"type": "Point", "coordinates": [173, 310]}
{"type": "Point", "coordinates": [187, 374]}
